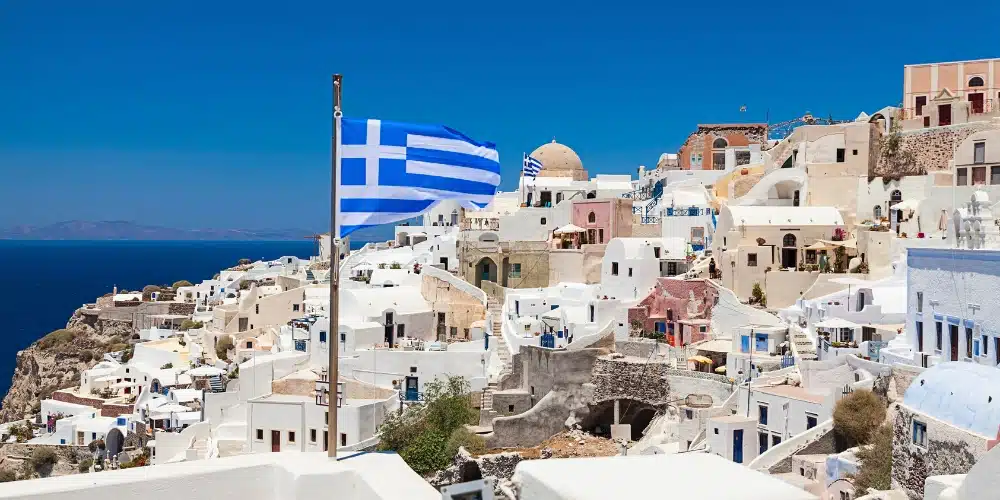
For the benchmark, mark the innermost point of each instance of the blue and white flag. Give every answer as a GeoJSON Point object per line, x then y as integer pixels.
{"type": "Point", "coordinates": [389, 171]}
{"type": "Point", "coordinates": [531, 167]}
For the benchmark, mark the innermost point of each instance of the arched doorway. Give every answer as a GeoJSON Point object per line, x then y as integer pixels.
{"type": "Point", "coordinates": [486, 270]}
{"type": "Point", "coordinates": [632, 412]}
{"type": "Point", "coordinates": [114, 441]}
{"type": "Point", "coordinates": [789, 251]}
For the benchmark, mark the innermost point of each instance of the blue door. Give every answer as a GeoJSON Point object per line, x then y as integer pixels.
{"type": "Point", "coordinates": [412, 394]}
{"type": "Point", "coordinates": [548, 340]}
{"type": "Point", "coordinates": [738, 446]}
{"type": "Point", "coordinates": [744, 343]}
{"type": "Point", "coordinates": [486, 340]}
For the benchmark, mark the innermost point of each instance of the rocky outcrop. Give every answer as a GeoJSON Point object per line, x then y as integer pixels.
{"type": "Point", "coordinates": [56, 360]}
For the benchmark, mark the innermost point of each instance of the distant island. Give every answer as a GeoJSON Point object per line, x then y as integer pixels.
{"type": "Point", "coordinates": [128, 230]}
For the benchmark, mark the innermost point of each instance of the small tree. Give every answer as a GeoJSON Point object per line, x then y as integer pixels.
{"type": "Point", "coordinates": [876, 463]}
{"type": "Point", "coordinates": [223, 346]}
{"type": "Point", "coordinates": [178, 284]}
{"type": "Point", "coordinates": [757, 295]}
{"type": "Point", "coordinates": [188, 324]}
{"type": "Point", "coordinates": [84, 466]}
{"type": "Point", "coordinates": [167, 366]}
{"type": "Point", "coordinates": [857, 416]}
{"type": "Point", "coordinates": [244, 262]}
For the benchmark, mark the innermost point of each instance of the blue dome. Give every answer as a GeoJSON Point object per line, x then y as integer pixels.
{"type": "Point", "coordinates": [966, 395]}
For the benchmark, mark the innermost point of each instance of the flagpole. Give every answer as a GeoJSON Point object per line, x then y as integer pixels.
{"type": "Point", "coordinates": [333, 338]}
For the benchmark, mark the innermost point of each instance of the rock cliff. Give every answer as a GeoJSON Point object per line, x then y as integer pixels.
{"type": "Point", "coordinates": [56, 360]}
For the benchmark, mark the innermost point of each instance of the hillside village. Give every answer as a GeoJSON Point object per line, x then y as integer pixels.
{"type": "Point", "coordinates": [804, 308]}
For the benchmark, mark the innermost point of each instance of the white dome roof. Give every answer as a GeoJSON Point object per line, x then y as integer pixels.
{"type": "Point", "coordinates": [555, 156]}
{"type": "Point", "coordinates": [966, 395]}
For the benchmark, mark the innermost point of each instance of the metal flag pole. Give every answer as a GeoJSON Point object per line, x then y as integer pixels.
{"type": "Point", "coordinates": [334, 347]}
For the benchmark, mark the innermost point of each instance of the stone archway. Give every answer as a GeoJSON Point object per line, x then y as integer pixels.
{"type": "Point", "coordinates": [486, 270]}
{"type": "Point", "coordinates": [635, 413]}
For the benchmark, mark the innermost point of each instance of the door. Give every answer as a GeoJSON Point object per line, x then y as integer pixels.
{"type": "Point", "coordinates": [738, 446]}
{"type": "Point", "coordinates": [389, 329]}
{"type": "Point", "coordinates": [944, 114]}
{"type": "Point", "coordinates": [440, 327]}
{"type": "Point", "coordinates": [412, 392]}
{"type": "Point", "coordinates": [953, 336]}
{"type": "Point", "coordinates": [789, 257]}
{"type": "Point", "coordinates": [795, 198]}
{"type": "Point", "coordinates": [745, 343]}
{"type": "Point", "coordinates": [275, 441]}
{"type": "Point", "coordinates": [976, 101]}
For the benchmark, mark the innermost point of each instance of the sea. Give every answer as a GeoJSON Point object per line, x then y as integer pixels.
{"type": "Point", "coordinates": [47, 280]}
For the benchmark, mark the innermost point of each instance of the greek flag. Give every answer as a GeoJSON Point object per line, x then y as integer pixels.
{"type": "Point", "coordinates": [388, 171]}
{"type": "Point", "coordinates": [531, 166]}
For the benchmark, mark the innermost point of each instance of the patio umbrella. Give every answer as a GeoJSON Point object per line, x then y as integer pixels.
{"type": "Point", "coordinates": [169, 408]}
{"type": "Point", "coordinates": [569, 229]}
{"type": "Point", "coordinates": [364, 266]}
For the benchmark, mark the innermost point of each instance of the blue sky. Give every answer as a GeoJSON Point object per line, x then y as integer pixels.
{"type": "Point", "coordinates": [216, 114]}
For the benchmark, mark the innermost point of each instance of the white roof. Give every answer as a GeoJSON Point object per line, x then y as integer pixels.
{"type": "Point", "coordinates": [370, 302]}
{"type": "Point", "coordinates": [785, 216]}
{"type": "Point", "coordinates": [186, 395]}
{"type": "Point", "coordinates": [686, 475]}
{"type": "Point", "coordinates": [836, 323]}
{"type": "Point", "coordinates": [966, 395]}
{"type": "Point", "coordinates": [205, 371]}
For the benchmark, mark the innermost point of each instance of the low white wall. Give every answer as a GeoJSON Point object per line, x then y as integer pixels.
{"type": "Point", "coordinates": [790, 446]}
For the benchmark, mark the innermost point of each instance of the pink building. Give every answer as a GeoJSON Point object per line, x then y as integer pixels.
{"type": "Point", "coordinates": [603, 219]}
{"type": "Point", "coordinates": [951, 92]}
{"type": "Point", "coordinates": [679, 309]}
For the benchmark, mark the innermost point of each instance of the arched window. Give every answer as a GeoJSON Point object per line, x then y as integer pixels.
{"type": "Point", "coordinates": [877, 211]}
{"type": "Point", "coordinates": [591, 217]}
{"type": "Point", "coordinates": [788, 240]}
{"type": "Point", "coordinates": [895, 197]}
{"type": "Point", "coordinates": [719, 143]}
{"type": "Point", "coordinates": [976, 81]}
{"type": "Point", "coordinates": [591, 195]}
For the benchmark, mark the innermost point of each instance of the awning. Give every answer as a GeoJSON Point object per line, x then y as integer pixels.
{"type": "Point", "coordinates": [364, 266]}
{"type": "Point", "coordinates": [570, 228]}
{"type": "Point", "coordinates": [700, 359]}
{"type": "Point", "coordinates": [819, 245]}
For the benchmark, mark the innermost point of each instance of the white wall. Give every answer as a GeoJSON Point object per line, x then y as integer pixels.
{"type": "Point", "coordinates": [381, 367]}
{"type": "Point", "coordinates": [781, 422]}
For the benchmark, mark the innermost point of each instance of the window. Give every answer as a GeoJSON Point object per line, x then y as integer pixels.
{"type": "Point", "coordinates": [656, 252]}
{"type": "Point", "coordinates": [291, 436]}
{"type": "Point", "coordinates": [979, 152]}
{"type": "Point", "coordinates": [895, 197]}
{"type": "Point", "coordinates": [841, 154]}
{"type": "Point", "coordinates": [719, 143]}
{"type": "Point", "coordinates": [515, 270]}
{"type": "Point", "coordinates": [260, 434]}
{"type": "Point", "coordinates": [762, 441]}
{"type": "Point", "coordinates": [688, 414]}
{"type": "Point", "coordinates": [614, 269]}
{"type": "Point", "coordinates": [775, 440]}
{"type": "Point", "coordinates": [591, 217]}
{"type": "Point", "coordinates": [844, 495]}
{"type": "Point", "coordinates": [978, 175]}
{"type": "Point", "coordinates": [855, 153]}
{"type": "Point", "coordinates": [630, 272]}
{"type": "Point", "coordinates": [453, 331]}
{"type": "Point", "coordinates": [976, 81]}
{"type": "Point", "coordinates": [295, 307]}
{"type": "Point", "coordinates": [937, 344]}
{"type": "Point", "coordinates": [400, 331]}
{"type": "Point", "coordinates": [920, 335]}
{"type": "Point", "coordinates": [322, 336]}
{"type": "Point", "coordinates": [312, 435]}
{"type": "Point", "coordinates": [343, 337]}
{"type": "Point", "coordinates": [256, 308]}
{"type": "Point", "coordinates": [510, 408]}
{"type": "Point", "coordinates": [751, 260]}
{"type": "Point", "coordinates": [788, 240]}
{"type": "Point", "coordinates": [920, 302]}
{"type": "Point", "coordinates": [718, 161]}
{"type": "Point", "coordinates": [600, 235]}
{"type": "Point", "coordinates": [810, 421]}
{"type": "Point", "coordinates": [877, 211]}
{"type": "Point", "coordinates": [968, 342]}
{"type": "Point", "coordinates": [986, 346]}
{"type": "Point", "coordinates": [716, 430]}
{"type": "Point", "coordinates": [921, 102]}
{"type": "Point", "coordinates": [961, 177]}
{"type": "Point", "coordinates": [920, 434]}
{"type": "Point", "coordinates": [343, 439]}
{"type": "Point", "coordinates": [994, 175]}
{"type": "Point", "coordinates": [249, 344]}
{"type": "Point", "coordinates": [762, 414]}
{"type": "Point", "coordinates": [543, 221]}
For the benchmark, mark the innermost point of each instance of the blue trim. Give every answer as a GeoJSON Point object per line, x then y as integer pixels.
{"type": "Point", "coordinates": [954, 321]}
{"type": "Point", "coordinates": [358, 454]}
{"type": "Point", "coordinates": [938, 317]}
{"type": "Point", "coordinates": [970, 323]}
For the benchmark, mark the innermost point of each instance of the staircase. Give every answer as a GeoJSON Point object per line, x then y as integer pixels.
{"type": "Point", "coordinates": [803, 346]}
{"type": "Point", "coordinates": [216, 384]}
{"type": "Point", "coordinates": [495, 318]}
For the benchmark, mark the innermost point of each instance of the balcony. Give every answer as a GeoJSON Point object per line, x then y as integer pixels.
{"type": "Point", "coordinates": [481, 225]}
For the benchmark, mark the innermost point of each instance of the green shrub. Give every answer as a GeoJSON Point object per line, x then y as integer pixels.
{"type": "Point", "coordinates": [84, 466]}
{"type": "Point", "coordinates": [857, 416]}
{"type": "Point", "coordinates": [246, 284]}
{"type": "Point", "coordinates": [56, 338]}
{"type": "Point", "coordinates": [875, 462]}
{"type": "Point", "coordinates": [461, 437]}
{"type": "Point", "coordinates": [42, 459]}
{"type": "Point", "coordinates": [87, 356]}
{"type": "Point", "coordinates": [178, 284]}
{"type": "Point", "coordinates": [190, 325]}
{"type": "Point", "coordinates": [426, 453]}
{"type": "Point", "coordinates": [166, 366]}
{"type": "Point", "coordinates": [7, 475]}
{"type": "Point", "coordinates": [21, 431]}
{"type": "Point", "coordinates": [223, 346]}
{"type": "Point", "coordinates": [117, 347]}
{"type": "Point", "coordinates": [235, 373]}
{"type": "Point", "coordinates": [757, 295]}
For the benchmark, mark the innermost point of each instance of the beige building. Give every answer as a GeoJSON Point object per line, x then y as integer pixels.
{"type": "Point", "coordinates": [751, 241]}
{"type": "Point", "coordinates": [515, 264]}
{"type": "Point", "coordinates": [950, 93]}
{"type": "Point", "coordinates": [454, 309]}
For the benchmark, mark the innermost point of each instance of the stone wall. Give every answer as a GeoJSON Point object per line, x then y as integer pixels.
{"type": "Point", "coordinates": [512, 402]}
{"type": "Point", "coordinates": [949, 450]}
{"type": "Point", "coordinates": [903, 376]}
{"type": "Point", "coordinates": [106, 409]}
{"type": "Point", "coordinates": [547, 418]}
{"type": "Point", "coordinates": [545, 369]}
{"type": "Point", "coordinates": [12, 456]}
{"type": "Point", "coordinates": [630, 378]}
{"type": "Point", "coordinates": [465, 467]}
{"type": "Point", "coordinates": [932, 148]}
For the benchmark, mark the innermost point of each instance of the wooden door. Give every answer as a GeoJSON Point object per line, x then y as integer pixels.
{"type": "Point", "coordinates": [953, 334]}
{"type": "Point", "coordinates": [944, 114]}
{"type": "Point", "coordinates": [976, 101]}
{"type": "Point", "coordinates": [275, 441]}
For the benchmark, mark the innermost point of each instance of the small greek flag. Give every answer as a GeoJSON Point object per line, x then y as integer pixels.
{"type": "Point", "coordinates": [531, 166]}
{"type": "Point", "coordinates": [388, 171]}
